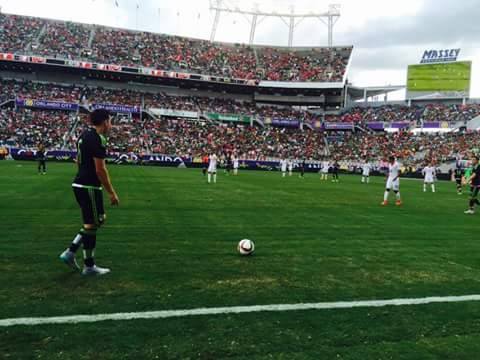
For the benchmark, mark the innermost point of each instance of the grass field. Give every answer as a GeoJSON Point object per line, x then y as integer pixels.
{"type": "Point", "coordinates": [440, 77]}
{"type": "Point", "coordinates": [172, 245]}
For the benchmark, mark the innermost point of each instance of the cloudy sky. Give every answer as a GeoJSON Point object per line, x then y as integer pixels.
{"type": "Point", "coordinates": [387, 34]}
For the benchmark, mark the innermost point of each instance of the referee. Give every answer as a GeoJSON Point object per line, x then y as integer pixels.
{"type": "Point", "coordinates": [87, 186]}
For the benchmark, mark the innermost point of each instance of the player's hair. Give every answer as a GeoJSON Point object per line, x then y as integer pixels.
{"type": "Point", "coordinates": [99, 116]}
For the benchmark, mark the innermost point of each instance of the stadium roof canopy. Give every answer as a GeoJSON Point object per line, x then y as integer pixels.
{"type": "Point", "coordinates": [359, 93]}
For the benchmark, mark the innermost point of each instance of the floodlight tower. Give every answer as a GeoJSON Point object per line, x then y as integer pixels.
{"type": "Point", "coordinates": [291, 20]}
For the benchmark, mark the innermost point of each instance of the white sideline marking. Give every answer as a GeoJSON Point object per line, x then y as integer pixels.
{"type": "Point", "coordinates": [75, 319]}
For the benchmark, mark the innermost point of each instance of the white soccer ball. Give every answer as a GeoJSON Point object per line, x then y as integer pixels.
{"type": "Point", "coordinates": [246, 247]}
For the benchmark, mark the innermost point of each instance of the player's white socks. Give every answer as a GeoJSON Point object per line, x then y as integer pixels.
{"type": "Point", "coordinates": [424, 187]}
{"type": "Point", "coordinates": [363, 179]}
{"type": "Point", "coordinates": [398, 195]}
{"type": "Point", "coordinates": [368, 180]}
{"type": "Point", "coordinates": [214, 178]}
{"type": "Point", "coordinates": [433, 187]}
{"type": "Point", "coordinates": [385, 196]}
{"type": "Point", "coordinates": [284, 174]}
{"type": "Point", "coordinates": [209, 178]}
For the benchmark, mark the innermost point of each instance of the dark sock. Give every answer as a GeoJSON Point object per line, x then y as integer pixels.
{"type": "Point", "coordinates": [89, 262]}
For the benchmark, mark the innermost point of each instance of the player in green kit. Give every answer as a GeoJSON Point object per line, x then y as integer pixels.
{"type": "Point", "coordinates": [474, 181]}
{"type": "Point", "coordinates": [91, 177]}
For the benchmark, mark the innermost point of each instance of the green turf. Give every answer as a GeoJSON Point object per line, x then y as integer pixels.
{"type": "Point", "coordinates": [171, 245]}
{"type": "Point", "coordinates": [440, 77]}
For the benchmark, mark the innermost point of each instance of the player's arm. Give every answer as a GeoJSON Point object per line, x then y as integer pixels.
{"type": "Point", "coordinates": [104, 177]}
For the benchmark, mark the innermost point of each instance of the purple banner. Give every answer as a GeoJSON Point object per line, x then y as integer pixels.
{"type": "Point", "coordinates": [338, 126]}
{"type": "Point", "coordinates": [46, 104]}
{"type": "Point", "coordinates": [285, 122]}
{"type": "Point", "coordinates": [376, 125]}
{"type": "Point", "coordinates": [431, 125]}
{"type": "Point", "coordinates": [400, 125]}
{"type": "Point", "coordinates": [125, 109]}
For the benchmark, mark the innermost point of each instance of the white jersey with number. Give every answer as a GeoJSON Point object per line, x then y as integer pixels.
{"type": "Point", "coordinates": [429, 173]}
{"type": "Point", "coordinates": [212, 163]}
{"type": "Point", "coordinates": [325, 166]}
{"type": "Point", "coordinates": [393, 181]}
{"type": "Point", "coordinates": [283, 165]}
{"type": "Point", "coordinates": [366, 169]}
{"type": "Point", "coordinates": [235, 163]}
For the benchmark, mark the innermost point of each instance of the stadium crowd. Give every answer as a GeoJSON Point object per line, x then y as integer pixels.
{"type": "Point", "coordinates": [28, 128]}
{"type": "Point", "coordinates": [63, 39]}
{"type": "Point", "coordinates": [410, 148]}
{"type": "Point", "coordinates": [18, 33]}
{"type": "Point", "coordinates": [414, 113]}
{"type": "Point", "coordinates": [135, 133]}
{"type": "Point", "coordinates": [12, 89]}
{"type": "Point", "coordinates": [132, 48]}
{"type": "Point", "coordinates": [187, 138]}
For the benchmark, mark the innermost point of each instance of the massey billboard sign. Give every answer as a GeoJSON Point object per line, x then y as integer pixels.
{"type": "Point", "coordinates": [436, 56]}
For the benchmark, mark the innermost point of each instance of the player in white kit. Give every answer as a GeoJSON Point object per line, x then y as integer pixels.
{"type": "Point", "coordinates": [283, 167]}
{"type": "Point", "coordinates": [324, 170]}
{"type": "Point", "coordinates": [393, 181]}
{"type": "Point", "coordinates": [429, 174]}
{"type": "Point", "coordinates": [366, 168]}
{"type": "Point", "coordinates": [290, 167]}
{"type": "Point", "coordinates": [212, 168]}
{"type": "Point", "coordinates": [235, 165]}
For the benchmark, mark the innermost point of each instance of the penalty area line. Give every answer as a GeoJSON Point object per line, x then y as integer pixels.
{"type": "Point", "coordinates": [164, 314]}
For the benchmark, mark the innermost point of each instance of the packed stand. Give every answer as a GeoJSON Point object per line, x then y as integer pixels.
{"type": "Point", "coordinates": [172, 53]}
{"type": "Point", "coordinates": [188, 138]}
{"type": "Point", "coordinates": [64, 40]}
{"type": "Point", "coordinates": [410, 148]}
{"type": "Point", "coordinates": [12, 89]}
{"type": "Point", "coordinates": [413, 114]}
{"type": "Point", "coordinates": [317, 64]}
{"type": "Point", "coordinates": [132, 48]}
{"type": "Point", "coordinates": [27, 128]}
{"type": "Point", "coordinates": [18, 33]}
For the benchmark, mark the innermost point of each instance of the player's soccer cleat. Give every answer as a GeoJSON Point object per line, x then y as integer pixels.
{"type": "Point", "coordinates": [398, 202]}
{"type": "Point", "coordinates": [68, 257]}
{"type": "Point", "coordinates": [384, 203]}
{"type": "Point", "coordinates": [95, 270]}
{"type": "Point", "coordinates": [469, 212]}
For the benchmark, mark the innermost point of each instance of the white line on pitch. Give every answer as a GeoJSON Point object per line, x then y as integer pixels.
{"type": "Point", "coordinates": [74, 319]}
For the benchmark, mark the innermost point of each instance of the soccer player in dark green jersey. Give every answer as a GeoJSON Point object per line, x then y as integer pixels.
{"type": "Point", "coordinates": [87, 186]}
{"type": "Point", "coordinates": [474, 181]}
{"type": "Point", "coordinates": [42, 158]}
{"type": "Point", "coordinates": [458, 176]}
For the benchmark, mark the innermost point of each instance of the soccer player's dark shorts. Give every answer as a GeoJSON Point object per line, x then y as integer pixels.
{"type": "Point", "coordinates": [474, 192]}
{"type": "Point", "coordinates": [91, 204]}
